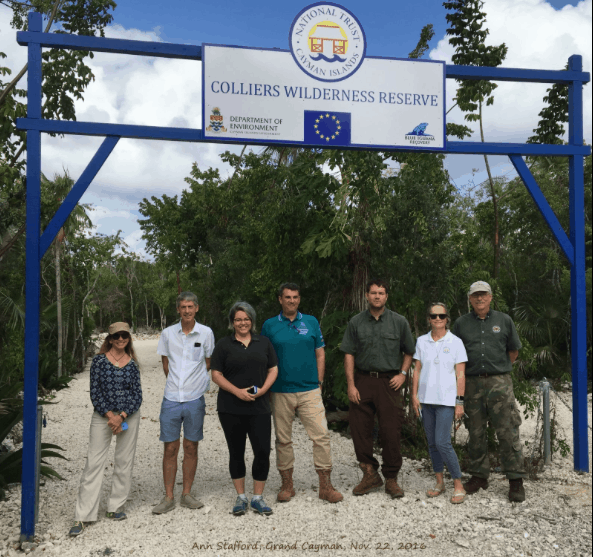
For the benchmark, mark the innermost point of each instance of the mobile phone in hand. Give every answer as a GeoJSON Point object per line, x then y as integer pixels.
{"type": "Point", "coordinates": [252, 390]}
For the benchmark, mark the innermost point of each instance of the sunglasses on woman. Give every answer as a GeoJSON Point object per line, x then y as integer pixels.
{"type": "Point", "coordinates": [117, 336]}
{"type": "Point", "coordinates": [438, 315]}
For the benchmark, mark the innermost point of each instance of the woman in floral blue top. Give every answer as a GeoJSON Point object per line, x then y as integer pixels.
{"type": "Point", "coordinates": [116, 395]}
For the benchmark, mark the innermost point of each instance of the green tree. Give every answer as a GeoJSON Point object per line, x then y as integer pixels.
{"type": "Point", "coordinates": [468, 35]}
{"type": "Point", "coordinates": [65, 77]}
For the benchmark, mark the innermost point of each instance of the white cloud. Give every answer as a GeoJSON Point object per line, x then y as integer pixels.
{"type": "Point", "coordinates": [98, 213]}
{"type": "Point", "coordinates": [538, 37]}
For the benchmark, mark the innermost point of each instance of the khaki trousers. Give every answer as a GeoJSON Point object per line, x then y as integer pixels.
{"type": "Point", "coordinates": [87, 505]}
{"type": "Point", "coordinates": [311, 411]}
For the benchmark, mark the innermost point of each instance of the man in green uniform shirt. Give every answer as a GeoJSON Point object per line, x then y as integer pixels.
{"type": "Point", "coordinates": [492, 345]}
{"type": "Point", "coordinates": [373, 344]}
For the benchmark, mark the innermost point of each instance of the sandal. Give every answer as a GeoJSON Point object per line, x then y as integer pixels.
{"type": "Point", "coordinates": [458, 497]}
{"type": "Point", "coordinates": [435, 492]}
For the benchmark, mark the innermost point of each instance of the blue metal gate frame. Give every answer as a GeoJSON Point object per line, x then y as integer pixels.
{"type": "Point", "coordinates": [37, 244]}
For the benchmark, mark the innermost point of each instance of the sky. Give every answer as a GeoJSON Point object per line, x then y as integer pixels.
{"type": "Point", "coordinates": [138, 90]}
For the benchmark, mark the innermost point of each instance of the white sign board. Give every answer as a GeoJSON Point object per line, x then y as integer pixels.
{"type": "Point", "coordinates": [324, 91]}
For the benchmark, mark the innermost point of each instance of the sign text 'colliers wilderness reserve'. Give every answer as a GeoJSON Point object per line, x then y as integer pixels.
{"type": "Point", "coordinates": [327, 94]}
{"type": "Point", "coordinates": [324, 78]}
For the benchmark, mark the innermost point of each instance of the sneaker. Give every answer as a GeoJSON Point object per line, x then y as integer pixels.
{"type": "Point", "coordinates": [77, 529]}
{"type": "Point", "coordinates": [116, 516]}
{"type": "Point", "coordinates": [190, 502]}
{"type": "Point", "coordinates": [260, 506]}
{"type": "Point", "coordinates": [516, 491]}
{"type": "Point", "coordinates": [164, 506]}
{"type": "Point", "coordinates": [241, 506]}
{"type": "Point", "coordinates": [475, 484]}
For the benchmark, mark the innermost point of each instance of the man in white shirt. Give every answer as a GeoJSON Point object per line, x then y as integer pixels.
{"type": "Point", "coordinates": [185, 349]}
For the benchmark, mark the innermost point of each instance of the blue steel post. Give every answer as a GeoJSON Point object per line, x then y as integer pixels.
{"type": "Point", "coordinates": [578, 285]}
{"type": "Point", "coordinates": [32, 278]}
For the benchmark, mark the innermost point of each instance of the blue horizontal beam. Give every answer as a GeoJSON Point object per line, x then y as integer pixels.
{"type": "Point", "coordinates": [524, 149]}
{"type": "Point", "coordinates": [544, 207]}
{"type": "Point", "coordinates": [194, 52]}
{"type": "Point", "coordinates": [186, 134]}
{"type": "Point", "coordinates": [121, 130]}
{"type": "Point", "coordinates": [76, 193]}
{"type": "Point", "coordinates": [516, 74]}
{"type": "Point", "coordinates": [102, 44]}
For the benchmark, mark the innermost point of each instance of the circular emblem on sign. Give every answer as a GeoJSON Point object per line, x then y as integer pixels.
{"type": "Point", "coordinates": [327, 42]}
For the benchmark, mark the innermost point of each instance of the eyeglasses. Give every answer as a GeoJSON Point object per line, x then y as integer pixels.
{"type": "Point", "coordinates": [477, 295]}
{"type": "Point", "coordinates": [117, 336]}
{"type": "Point", "coordinates": [438, 315]}
{"type": "Point", "coordinates": [239, 321]}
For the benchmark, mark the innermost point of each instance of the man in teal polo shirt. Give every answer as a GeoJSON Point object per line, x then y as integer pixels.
{"type": "Point", "coordinates": [299, 345]}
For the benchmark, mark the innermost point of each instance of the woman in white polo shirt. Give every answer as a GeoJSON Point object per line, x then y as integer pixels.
{"type": "Point", "coordinates": [439, 385]}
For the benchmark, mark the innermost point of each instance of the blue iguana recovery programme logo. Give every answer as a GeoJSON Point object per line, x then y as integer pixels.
{"type": "Point", "coordinates": [418, 135]}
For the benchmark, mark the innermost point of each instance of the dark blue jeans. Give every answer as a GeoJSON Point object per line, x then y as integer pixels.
{"type": "Point", "coordinates": [437, 421]}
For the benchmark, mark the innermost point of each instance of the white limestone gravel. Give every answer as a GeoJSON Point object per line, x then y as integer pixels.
{"type": "Point", "coordinates": [554, 521]}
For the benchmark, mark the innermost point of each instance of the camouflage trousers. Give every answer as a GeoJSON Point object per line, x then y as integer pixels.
{"type": "Point", "coordinates": [491, 399]}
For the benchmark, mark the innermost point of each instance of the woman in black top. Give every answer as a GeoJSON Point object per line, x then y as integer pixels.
{"type": "Point", "coordinates": [240, 362]}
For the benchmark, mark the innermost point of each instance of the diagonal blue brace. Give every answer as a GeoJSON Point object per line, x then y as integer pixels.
{"type": "Point", "coordinates": [544, 207]}
{"type": "Point", "coordinates": [76, 193]}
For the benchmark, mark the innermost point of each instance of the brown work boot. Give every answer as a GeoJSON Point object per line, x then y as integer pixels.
{"type": "Point", "coordinates": [475, 484]}
{"type": "Point", "coordinates": [516, 491]}
{"type": "Point", "coordinates": [286, 489]}
{"type": "Point", "coordinates": [392, 488]}
{"type": "Point", "coordinates": [326, 489]}
{"type": "Point", "coordinates": [370, 481]}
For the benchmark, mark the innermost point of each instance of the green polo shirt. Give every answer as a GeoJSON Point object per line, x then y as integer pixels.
{"type": "Point", "coordinates": [487, 342]}
{"type": "Point", "coordinates": [295, 343]}
{"type": "Point", "coordinates": [377, 344]}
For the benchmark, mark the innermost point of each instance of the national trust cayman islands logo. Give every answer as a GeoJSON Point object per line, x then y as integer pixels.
{"type": "Point", "coordinates": [327, 42]}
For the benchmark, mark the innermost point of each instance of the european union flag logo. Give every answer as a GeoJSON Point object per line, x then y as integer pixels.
{"type": "Point", "coordinates": [327, 128]}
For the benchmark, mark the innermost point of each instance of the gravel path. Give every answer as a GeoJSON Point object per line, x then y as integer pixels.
{"type": "Point", "coordinates": [555, 520]}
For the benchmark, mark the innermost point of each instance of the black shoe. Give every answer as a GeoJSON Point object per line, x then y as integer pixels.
{"type": "Point", "coordinates": [475, 484]}
{"type": "Point", "coordinates": [516, 491]}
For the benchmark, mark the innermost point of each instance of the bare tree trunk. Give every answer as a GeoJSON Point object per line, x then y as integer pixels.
{"type": "Point", "coordinates": [59, 304]}
{"type": "Point", "coordinates": [131, 306]}
{"type": "Point", "coordinates": [496, 240]}
{"type": "Point", "coordinates": [146, 308]}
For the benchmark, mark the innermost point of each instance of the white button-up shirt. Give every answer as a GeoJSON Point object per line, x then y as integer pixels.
{"type": "Point", "coordinates": [438, 384]}
{"type": "Point", "coordinates": [188, 377]}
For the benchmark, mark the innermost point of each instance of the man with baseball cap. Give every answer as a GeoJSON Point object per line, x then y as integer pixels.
{"type": "Point", "coordinates": [492, 345]}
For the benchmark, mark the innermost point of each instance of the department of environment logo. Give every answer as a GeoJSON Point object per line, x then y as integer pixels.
{"type": "Point", "coordinates": [216, 121]}
{"type": "Point", "coordinates": [327, 42]}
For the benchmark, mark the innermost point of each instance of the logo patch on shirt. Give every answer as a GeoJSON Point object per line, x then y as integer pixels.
{"type": "Point", "coordinates": [446, 350]}
{"type": "Point", "coordinates": [496, 329]}
{"type": "Point", "coordinates": [302, 329]}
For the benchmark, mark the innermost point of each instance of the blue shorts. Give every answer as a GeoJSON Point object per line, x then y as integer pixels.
{"type": "Point", "coordinates": [190, 414]}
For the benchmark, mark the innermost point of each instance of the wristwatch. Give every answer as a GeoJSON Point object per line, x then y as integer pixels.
{"type": "Point", "coordinates": [404, 373]}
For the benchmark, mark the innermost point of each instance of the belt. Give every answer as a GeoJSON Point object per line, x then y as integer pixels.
{"type": "Point", "coordinates": [483, 375]}
{"type": "Point", "coordinates": [378, 374]}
